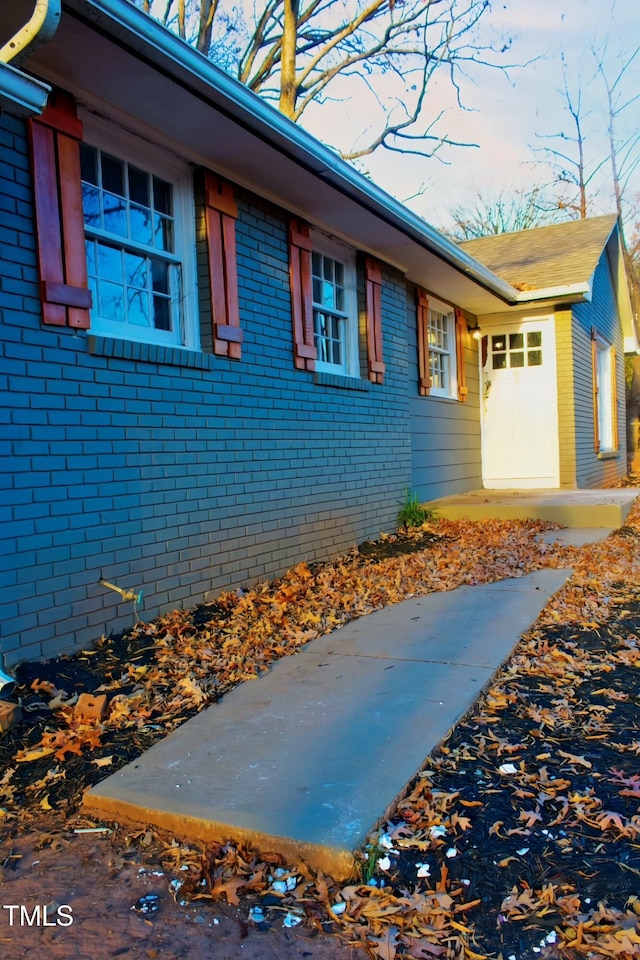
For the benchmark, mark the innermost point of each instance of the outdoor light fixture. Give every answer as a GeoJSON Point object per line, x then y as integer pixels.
{"type": "Point", "coordinates": [474, 330]}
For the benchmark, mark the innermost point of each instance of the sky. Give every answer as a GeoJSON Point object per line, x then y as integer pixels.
{"type": "Point", "coordinates": [511, 115]}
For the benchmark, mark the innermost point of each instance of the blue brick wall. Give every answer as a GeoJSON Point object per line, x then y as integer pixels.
{"type": "Point", "coordinates": [178, 472]}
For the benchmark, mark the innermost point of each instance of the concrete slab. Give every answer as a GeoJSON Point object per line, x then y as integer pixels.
{"type": "Point", "coordinates": [571, 508]}
{"type": "Point", "coordinates": [308, 758]}
{"type": "Point", "coordinates": [571, 536]}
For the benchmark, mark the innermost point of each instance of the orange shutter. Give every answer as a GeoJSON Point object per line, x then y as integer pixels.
{"type": "Point", "coordinates": [461, 339]}
{"type": "Point", "coordinates": [55, 155]}
{"type": "Point", "coordinates": [422, 309]}
{"type": "Point", "coordinates": [373, 280]}
{"type": "Point", "coordinates": [221, 214]}
{"type": "Point", "coordinates": [304, 349]}
{"type": "Point", "coordinates": [594, 374]}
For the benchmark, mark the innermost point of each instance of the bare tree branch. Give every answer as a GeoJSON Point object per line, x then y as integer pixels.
{"type": "Point", "coordinates": [299, 52]}
{"type": "Point", "coordinates": [505, 213]}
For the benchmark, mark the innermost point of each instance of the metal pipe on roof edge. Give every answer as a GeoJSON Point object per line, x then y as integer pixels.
{"type": "Point", "coordinates": [279, 131]}
{"type": "Point", "coordinates": [38, 30]}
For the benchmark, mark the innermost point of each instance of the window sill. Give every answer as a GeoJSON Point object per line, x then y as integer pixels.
{"type": "Point", "coordinates": [447, 398]}
{"type": "Point", "coordinates": [148, 353]}
{"type": "Point", "coordinates": [608, 455]}
{"type": "Point", "coordinates": [337, 380]}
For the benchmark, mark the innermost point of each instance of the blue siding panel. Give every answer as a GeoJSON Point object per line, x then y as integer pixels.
{"type": "Point", "coordinates": [601, 313]}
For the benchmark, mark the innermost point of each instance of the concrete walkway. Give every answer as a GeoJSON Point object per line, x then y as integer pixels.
{"type": "Point", "coordinates": [307, 759]}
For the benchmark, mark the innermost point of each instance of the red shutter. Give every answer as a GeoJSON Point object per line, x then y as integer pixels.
{"type": "Point", "coordinates": [221, 214]}
{"type": "Point", "coordinates": [422, 309]}
{"type": "Point", "coordinates": [373, 280]}
{"type": "Point", "coordinates": [461, 339]}
{"type": "Point", "coordinates": [304, 349]}
{"type": "Point", "coordinates": [55, 157]}
{"type": "Point", "coordinates": [594, 375]}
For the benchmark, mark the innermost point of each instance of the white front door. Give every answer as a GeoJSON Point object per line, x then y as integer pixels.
{"type": "Point", "coordinates": [520, 406]}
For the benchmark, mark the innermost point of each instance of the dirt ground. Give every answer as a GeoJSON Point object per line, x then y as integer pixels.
{"type": "Point", "coordinates": [89, 874]}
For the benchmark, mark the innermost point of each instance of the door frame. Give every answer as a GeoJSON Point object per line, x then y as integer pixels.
{"type": "Point", "coordinates": [498, 325]}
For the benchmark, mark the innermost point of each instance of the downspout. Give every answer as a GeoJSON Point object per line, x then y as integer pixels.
{"type": "Point", "coordinates": [38, 31]}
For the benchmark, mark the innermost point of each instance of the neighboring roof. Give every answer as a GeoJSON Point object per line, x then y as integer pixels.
{"type": "Point", "coordinates": [562, 254]}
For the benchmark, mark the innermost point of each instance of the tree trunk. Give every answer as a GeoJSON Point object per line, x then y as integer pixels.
{"type": "Point", "coordinates": [288, 84]}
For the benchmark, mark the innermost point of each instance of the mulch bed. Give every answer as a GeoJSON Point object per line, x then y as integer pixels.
{"type": "Point", "coordinates": [521, 836]}
{"type": "Point", "coordinates": [398, 545]}
{"type": "Point", "coordinates": [545, 774]}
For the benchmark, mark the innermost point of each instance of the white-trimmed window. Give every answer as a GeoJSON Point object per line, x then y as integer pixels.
{"type": "Point", "coordinates": [442, 350]}
{"type": "Point", "coordinates": [335, 316]}
{"type": "Point", "coordinates": [139, 236]}
{"type": "Point", "coordinates": [605, 413]}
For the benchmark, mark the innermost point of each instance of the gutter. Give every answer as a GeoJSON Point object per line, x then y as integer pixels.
{"type": "Point", "coordinates": [575, 291]}
{"type": "Point", "coordinates": [137, 32]}
{"type": "Point", "coordinates": [20, 94]}
{"type": "Point", "coordinates": [36, 32]}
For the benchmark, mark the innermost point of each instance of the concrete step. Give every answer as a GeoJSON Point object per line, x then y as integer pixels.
{"type": "Point", "coordinates": [306, 760]}
{"type": "Point", "coordinates": [570, 508]}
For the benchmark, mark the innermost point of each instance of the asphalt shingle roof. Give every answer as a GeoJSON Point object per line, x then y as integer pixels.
{"type": "Point", "coordinates": [557, 255]}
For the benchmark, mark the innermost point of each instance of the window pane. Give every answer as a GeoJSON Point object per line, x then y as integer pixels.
{"type": "Point", "coordinates": [162, 196]}
{"type": "Point", "coordinates": [516, 359]}
{"type": "Point", "coordinates": [516, 341]}
{"type": "Point", "coordinates": [138, 307]}
{"type": "Point", "coordinates": [91, 205]}
{"type": "Point", "coordinates": [339, 273]}
{"type": "Point", "coordinates": [534, 339]}
{"type": "Point", "coordinates": [327, 268]}
{"type": "Point", "coordinates": [88, 164]}
{"type": "Point", "coordinates": [109, 262]}
{"type": "Point", "coordinates": [140, 218]}
{"type": "Point", "coordinates": [160, 274]}
{"type": "Point", "coordinates": [138, 187]}
{"type": "Point", "coordinates": [135, 270]}
{"type": "Point", "coordinates": [534, 358]}
{"type": "Point", "coordinates": [112, 174]}
{"type": "Point", "coordinates": [498, 343]}
{"type": "Point", "coordinates": [499, 361]}
{"type": "Point", "coordinates": [92, 263]}
{"type": "Point", "coordinates": [317, 290]}
{"type": "Point", "coordinates": [163, 233]}
{"type": "Point", "coordinates": [162, 313]}
{"type": "Point", "coordinates": [115, 215]}
{"type": "Point", "coordinates": [328, 299]}
{"type": "Point", "coordinates": [316, 264]}
{"type": "Point", "coordinates": [112, 300]}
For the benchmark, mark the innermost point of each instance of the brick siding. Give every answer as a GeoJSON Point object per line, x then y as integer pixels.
{"type": "Point", "coordinates": [174, 471]}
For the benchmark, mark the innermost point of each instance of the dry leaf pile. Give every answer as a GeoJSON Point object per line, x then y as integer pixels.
{"type": "Point", "coordinates": [522, 834]}
{"type": "Point", "coordinates": [164, 671]}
